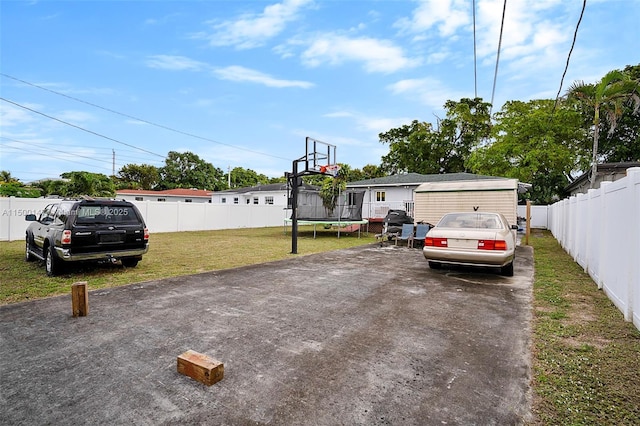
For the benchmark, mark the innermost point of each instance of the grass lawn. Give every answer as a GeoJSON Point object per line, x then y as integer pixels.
{"type": "Point", "coordinates": [586, 358]}
{"type": "Point", "coordinates": [170, 255]}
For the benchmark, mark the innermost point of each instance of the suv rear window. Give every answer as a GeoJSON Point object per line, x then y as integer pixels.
{"type": "Point", "coordinates": [87, 214]}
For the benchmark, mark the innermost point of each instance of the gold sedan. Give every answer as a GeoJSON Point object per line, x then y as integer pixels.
{"type": "Point", "coordinates": [472, 239]}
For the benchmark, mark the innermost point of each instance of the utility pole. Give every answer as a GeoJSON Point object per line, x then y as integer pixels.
{"type": "Point", "coordinates": [113, 162]}
{"type": "Point", "coordinates": [229, 176]}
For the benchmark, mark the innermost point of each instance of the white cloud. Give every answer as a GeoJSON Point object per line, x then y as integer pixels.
{"type": "Point", "coordinates": [427, 91]}
{"type": "Point", "coordinates": [242, 74]}
{"type": "Point", "coordinates": [376, 55]}
{"type": "Point", "coordinates": [446, 15]}
{"type": "Point", "coordinates": [175, 63]}
{"type": "Point", "coordinates": [253, 30]}
{"type": "Point", "coordinates": [14, 116]}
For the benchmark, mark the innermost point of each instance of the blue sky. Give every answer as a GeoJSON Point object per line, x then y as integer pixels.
{"type": "Point", "coordinates": [243, 83]}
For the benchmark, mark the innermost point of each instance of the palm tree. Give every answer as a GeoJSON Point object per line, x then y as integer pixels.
{"type": "Point", "coordinates": [608, 97]}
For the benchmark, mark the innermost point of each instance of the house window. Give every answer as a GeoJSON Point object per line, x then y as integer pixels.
{"type": "Point", "coordinates": [162, 199]}
{"type": "Point", "coordinates": [255, 200]}
{"type": "Point", "coordinates": [188, 200]}
{"type": "Point", "coordinates": [351, 199]}
{"type": "Point", "coordinates": [235, 200]}
{"type": "Point", "coordinates": [268, 200]}
{"type": "Point", "coordinates": [223, 200]}
{"type": "Point", "coordinates": [138, 198]}
{"type": "Point", "coordinates": [248, 201]}
{"type": "Point", "coordinates": [381, 196]}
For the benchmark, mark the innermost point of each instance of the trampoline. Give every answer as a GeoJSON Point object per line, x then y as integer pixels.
{"type": "Point", "coordinates": [333, 223]}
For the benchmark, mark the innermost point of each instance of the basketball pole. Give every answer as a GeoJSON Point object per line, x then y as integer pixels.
{"type": "Point", "coordinates": [294, 208]}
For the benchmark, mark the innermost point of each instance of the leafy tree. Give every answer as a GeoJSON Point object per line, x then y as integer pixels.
{"type": "Point", "coordinates": [242, 178]}
{"type": "Point", "coordinates": [369, 171]}
{"type": "Point", "coordinates": [607, 98]}
{"type": "Point", "coordinates": [187, 170]}
{"type": "Point", "coordinates": [53, 187]}
{"type": "Point", "coordinates": [419, 148]}
{"type": "Point", "coordinates": [534, 144]}
{"type": "Point", "coordinates": [622, 141]}
{"type": "Point", "coordinates": [16, 189]}
{"type": "Point", "coordinates": [90, 184]}
{"type": "Point", "coordinates": [5, 177]}
{"type": "Point", "coordinates": [333, 186]}
{"type": "Point", "coordinates": [138, 176]}
{"type": "Point", "coordinates": [280, 179]}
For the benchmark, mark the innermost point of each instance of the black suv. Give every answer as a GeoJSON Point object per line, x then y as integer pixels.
{"type": "Point", "coordinates": [86, 231]}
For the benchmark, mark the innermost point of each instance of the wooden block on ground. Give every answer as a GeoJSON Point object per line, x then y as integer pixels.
{"type": "Point", "coordinates": [200, 367]}
{"type": "Point", "coordinates": [80, 299]}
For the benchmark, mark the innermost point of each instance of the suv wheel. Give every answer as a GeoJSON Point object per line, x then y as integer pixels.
{"type": "Point", "coordinates": [27, 254]}
{"type": "Point", "coordinates": [129, 263]}
{"type": "Point", "coordinates": [51, 262]}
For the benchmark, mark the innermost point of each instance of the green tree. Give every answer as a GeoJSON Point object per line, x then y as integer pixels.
{"type": "Point", "coordinates": [5, 177]}
{"type": "Point", "coordinates": [419, 148]}
{"type": "Point", "coordinates": [369, 171]}
{"type": "Point", "coordinates": [242, 178]}
{"type": "Point", "coordinates": [138, 176]}
{"type": "Point", "coordinates": [535, 144]}
{"type": "Point", "coordinates": [605, 98]}
{"type": "Point", "coordinates": [53, 187]}
{"type": "Point", "coordinates": [89, 184]}
{"type": "Point", "coordinates": [331, 188]}
{"type": "Point", "coordinates": [622, 141]}
{"type": "Point", "coordinates": [18, 190]}
{"type": "Point", "coordinates": [187, 170]}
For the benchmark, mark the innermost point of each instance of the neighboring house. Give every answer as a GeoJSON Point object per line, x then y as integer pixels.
{"type": "Point", "coordinates": [271, 194]}
{"type": "Point", "coordinates": [606, 172]}
{"type": "Point", "coordinates": [184, 195]}
{"type": "Point", "coordinates": [398, 191]}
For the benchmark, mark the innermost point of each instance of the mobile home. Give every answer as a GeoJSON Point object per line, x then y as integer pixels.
{"type": "Point", "coordinates": [434, 199]}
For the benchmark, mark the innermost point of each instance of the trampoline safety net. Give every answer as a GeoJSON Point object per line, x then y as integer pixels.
{"type": "Point", "coordinates": [348, 207]}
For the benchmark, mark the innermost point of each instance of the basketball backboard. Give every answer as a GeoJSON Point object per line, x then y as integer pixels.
{"type": "Point", "coordinates": [320, 157]}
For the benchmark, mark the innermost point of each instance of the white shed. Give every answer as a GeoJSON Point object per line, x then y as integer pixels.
{"type": "Point", "coordinates": [434, 199]}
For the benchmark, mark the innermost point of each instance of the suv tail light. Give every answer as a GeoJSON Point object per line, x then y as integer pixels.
{"type": "Point", "coordinates": [66, 237]}
{"type": "Point", "coordinates": [435, 242]}
{"type": "Point", "coordinates": [492, 245]}
{"type": "Point", "coordinates": [146, 234]}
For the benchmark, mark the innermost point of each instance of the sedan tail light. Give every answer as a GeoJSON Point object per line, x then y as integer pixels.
{"type": "Point", "coordinates": [492, 245]}
{"type": "Point", "coordinates": [435, 242]}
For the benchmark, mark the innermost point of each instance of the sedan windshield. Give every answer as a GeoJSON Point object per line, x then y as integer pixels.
{"type": "Point", "coordinates": [470, 220]}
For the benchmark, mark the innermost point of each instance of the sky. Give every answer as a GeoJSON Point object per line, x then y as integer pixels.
{"type": "Point", "coordinates": [96, 85]}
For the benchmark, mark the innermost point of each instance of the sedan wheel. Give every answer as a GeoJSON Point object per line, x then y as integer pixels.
{"type": "Point", "coordinates": [507, 270]}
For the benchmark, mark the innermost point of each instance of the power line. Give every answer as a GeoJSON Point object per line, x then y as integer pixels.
{"type": "Point", "coordinates": [80, 128]}
{"type": "Point", "coordinates": [143, 120]}
{"type": "Point", "coordinates": [475, 57]}
{"type": "Point", "coordinates": [573, 43]}
{"type": "Point", "coordinates": [495, 75]}
{"type": "Point", "coordinates": [49, 155]}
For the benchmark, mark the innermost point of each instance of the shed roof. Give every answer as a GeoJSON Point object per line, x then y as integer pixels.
{"type": "Point", "coordinates": [469, 185]}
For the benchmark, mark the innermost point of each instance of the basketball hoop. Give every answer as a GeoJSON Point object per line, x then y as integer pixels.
{"type": "Point", "coordinates": [330, 169]}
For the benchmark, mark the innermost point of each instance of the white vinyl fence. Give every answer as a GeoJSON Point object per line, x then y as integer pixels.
{"type": "Point", "coordinates": [159, 216]}
{"type": "Point", "coordinates": [601, 231]}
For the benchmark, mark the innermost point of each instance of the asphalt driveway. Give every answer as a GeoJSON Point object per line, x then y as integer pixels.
{"type": "Point", "coordinates": [368, 336]}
